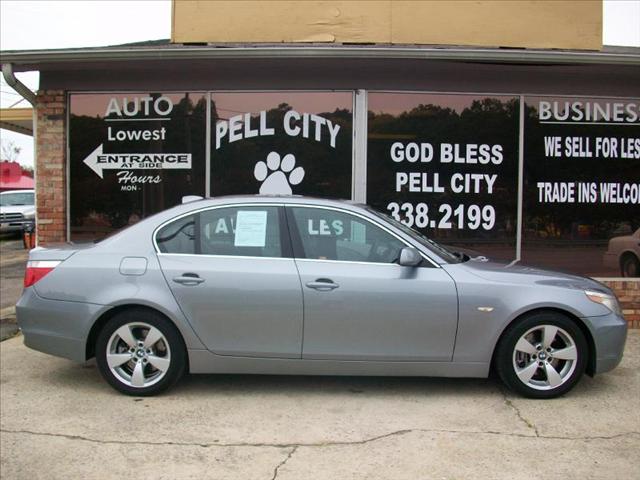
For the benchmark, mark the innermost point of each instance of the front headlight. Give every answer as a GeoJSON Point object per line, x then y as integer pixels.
{"type": "Point", "coordinates": [609, 301]}
{"type": "Point", "coordinates": [30, 215]}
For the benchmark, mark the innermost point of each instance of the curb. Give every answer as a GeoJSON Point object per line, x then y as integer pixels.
{"type": "Point", "coordinates": [8, 312]}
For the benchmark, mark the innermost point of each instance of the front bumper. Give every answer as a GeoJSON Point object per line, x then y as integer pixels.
{"type": "Point", "coordinates": [16, 225]}
{"type": "Point", "coordinates": [56, 327]}
{"type": "Point", "coordinates": [609, 334]}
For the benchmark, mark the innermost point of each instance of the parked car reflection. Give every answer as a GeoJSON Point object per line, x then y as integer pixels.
{"type": "Point", "coordinates": [624, 253]}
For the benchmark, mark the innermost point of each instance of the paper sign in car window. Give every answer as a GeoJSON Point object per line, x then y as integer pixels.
{"type": "Point", "coordinates": [251, 228]}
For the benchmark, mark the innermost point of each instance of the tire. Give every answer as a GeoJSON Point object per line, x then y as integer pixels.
{"type": "Point", "coordinates": [629, 266]}
{"type": "Point", "coordinates": [526, 359]}
{"type": "Point", "coordinates": [134, 366]}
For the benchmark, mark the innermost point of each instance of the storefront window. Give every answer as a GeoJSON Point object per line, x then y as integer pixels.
{"type": "Point", "coordinates": [131, 155]}
{"type": "Point", "coordinates": [582, 185]}
{"type": "Point", "coordinates": [282, 143]}
{"type": "Point", "coordinates": [447, 165]}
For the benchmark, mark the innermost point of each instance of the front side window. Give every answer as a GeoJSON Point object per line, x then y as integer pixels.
{"type": "Point", "coordinates": [334, 235]}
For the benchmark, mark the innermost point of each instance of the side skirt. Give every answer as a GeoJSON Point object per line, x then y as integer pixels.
{"type": "Point", "coordinates": [203, 361]}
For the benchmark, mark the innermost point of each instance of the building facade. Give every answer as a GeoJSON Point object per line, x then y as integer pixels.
{"type": "Point", "coordinates": [524, 153]}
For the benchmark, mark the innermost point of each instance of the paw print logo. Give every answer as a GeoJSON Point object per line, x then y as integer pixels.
{"type": "Point", "coordinates": [277, 175]}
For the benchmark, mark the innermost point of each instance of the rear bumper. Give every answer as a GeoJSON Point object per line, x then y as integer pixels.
{"type": "Point", "coordinates": [610, 335]}
{"type": "Point", "coordinates": [55, 327]}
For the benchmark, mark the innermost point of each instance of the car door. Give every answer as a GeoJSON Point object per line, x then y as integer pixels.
{"type": "Point", "coordinates": [359, 304]}
{"type": "Point", "coordinates": [231, 271]}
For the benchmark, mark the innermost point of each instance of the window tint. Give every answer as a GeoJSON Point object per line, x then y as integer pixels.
{"type": "Point", "coordinates": [334, 235]}
{"type": "Point", "coordinates": [178, 236]}
{"type": "Point", "coordinates": [243, 231]}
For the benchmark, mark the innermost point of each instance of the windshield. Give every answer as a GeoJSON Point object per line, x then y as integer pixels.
{"type": "Point", "coordinates": [442, 252]}
{"type": "Point", "coordinates": [18, 198]}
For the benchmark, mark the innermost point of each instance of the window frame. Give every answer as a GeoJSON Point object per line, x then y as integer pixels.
{"type": "Point", "coordinates": [298, 249]}
{"type": "Point", "coordinates": [283, 229]}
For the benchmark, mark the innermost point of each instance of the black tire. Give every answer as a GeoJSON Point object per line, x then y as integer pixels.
{"type": "Point", "coordinates": [506, 358]}
{"type": "Point", "coordinates": [630, 266]}
{"type": "Point", "coordinates": [169, 349]}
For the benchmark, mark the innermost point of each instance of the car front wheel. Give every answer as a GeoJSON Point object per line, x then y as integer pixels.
{"type": "Point", "coordinates": [140, 353]}
{"type": "Point", "coordinates": [630, 266]}
{"type": "Point", "coordinates": [542, 356]}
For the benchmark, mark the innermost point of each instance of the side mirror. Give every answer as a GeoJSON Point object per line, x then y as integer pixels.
{"type": "Point", "coordinates": [410, 257]}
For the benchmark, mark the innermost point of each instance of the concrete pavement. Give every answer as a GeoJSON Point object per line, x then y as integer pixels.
{"type": "Point", "coordinates": [61, 420]}
{"type": "Point", "coordinates": [13, 258]}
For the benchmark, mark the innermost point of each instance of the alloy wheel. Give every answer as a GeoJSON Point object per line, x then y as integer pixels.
{"type": "Point", "coordinates": [138, 354]}
{"type": "Point", "coordinates": [545, 357]}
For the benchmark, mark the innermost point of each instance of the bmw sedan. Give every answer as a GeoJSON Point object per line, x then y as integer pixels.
{"type": "Point", "coordinates": [293, 285]}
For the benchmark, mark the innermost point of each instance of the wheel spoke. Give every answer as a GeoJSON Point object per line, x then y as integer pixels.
{"type": "Point", "coordinates": [527, 372]}
{"type": "Point", "coordinates": [160, 363]}
{"type": "Point", "coordinates": [117, 359]}
{"type": "Point", "coordinates": [553, 377]}
{"type": "Point", "coordinates": [152, 337]}
{"type": "Point", "coordinates": [568, 353]}
{"type": "Point", "coordinates": [137, 378]}
{"type": "Point", "coordinates": [124, 332]}
{"type": "Point", "coordinates": [549, 335]}
{"type": "Point", "coordinates": [525, 346]}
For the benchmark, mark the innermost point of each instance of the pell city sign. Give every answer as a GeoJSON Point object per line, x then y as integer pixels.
{"type": "Point", "coordinates": [136, 109]}
{"type": "Point", "coordinates": [278, 172]}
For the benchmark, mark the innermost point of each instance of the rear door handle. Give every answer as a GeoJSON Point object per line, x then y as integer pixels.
{"type": "Point", "coordinates": [322, 284]}
{"type": "Point", "coordinates": [189, 279]}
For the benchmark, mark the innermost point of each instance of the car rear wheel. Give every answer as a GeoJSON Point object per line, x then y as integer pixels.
{"type": "Point", "coordinates": [140, 353]}
{"type": "Point", "coordinates": [542, 356]}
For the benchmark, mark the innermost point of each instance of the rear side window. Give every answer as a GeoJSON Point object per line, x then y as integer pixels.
{"type": "Point", "coordinates": [178, 236]}
{"type": "Point", "coordinates": [236, 231]}
{"type": "Point", "coordinates": [242, 231]}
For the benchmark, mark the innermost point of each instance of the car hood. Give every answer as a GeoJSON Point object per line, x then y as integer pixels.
{"type": "Point", "coordinates": [526, 275]}
{"type": "Point", "coordinates": [23, 209]}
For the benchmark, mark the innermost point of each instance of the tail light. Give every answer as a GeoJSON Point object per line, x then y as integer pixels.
{"type": "Point", "coordinates": [36, 269]}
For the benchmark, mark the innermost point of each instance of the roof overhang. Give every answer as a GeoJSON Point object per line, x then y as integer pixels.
{"type": "Point", "coordinates": [27, 60]}
{"type": "Point", "coordinates": [17, 120]}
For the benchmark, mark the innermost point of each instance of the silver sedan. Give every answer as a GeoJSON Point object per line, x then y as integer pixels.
{"type": "Point", "coordinates": [291, 285]}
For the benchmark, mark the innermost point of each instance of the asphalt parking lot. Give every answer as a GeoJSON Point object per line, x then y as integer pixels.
{"type": "Point", "coordinates": [60, 420]}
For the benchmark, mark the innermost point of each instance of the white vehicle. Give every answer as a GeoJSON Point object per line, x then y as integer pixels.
{"type": "Point", "coordinates": [17, 208]}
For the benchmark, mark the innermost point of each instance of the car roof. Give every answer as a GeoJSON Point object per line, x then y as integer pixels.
{"type": "Point", "coordinates": [285, 199]}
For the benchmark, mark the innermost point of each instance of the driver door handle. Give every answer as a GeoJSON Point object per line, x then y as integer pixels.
{"type": "Point", "coordinates": [188, 279]}
{"type": "Point", "coordinates": [323, 285]}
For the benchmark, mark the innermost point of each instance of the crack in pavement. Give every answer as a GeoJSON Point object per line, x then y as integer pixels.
{"type": "Point", "coordinates": [281, 464]}
{"type": "Point", "coordinates": [295, 446]}
{"type": "Point", "coordinates": [518, 413]}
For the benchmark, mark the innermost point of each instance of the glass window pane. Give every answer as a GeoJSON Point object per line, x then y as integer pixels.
{"type": "Point", "coordinates": [582, 185]}
{"type": "Point", "coordinates": [242, 231]}
{"type": "Point", "coordinates": [281, 143]}
{"type": "Point", "coordinates": [132, 155]}
{"type": "Point", "coordinates": [178, 236]}
{"type": "Point", "coordinates": [334, 235]}
{"type": "Point", "coordinates": [447, 166]}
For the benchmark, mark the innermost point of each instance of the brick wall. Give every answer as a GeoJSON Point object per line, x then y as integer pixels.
{"type": "Point", "coordinates": [628, 292]}
{"type": "Point", "coordinates": [51, 195]}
